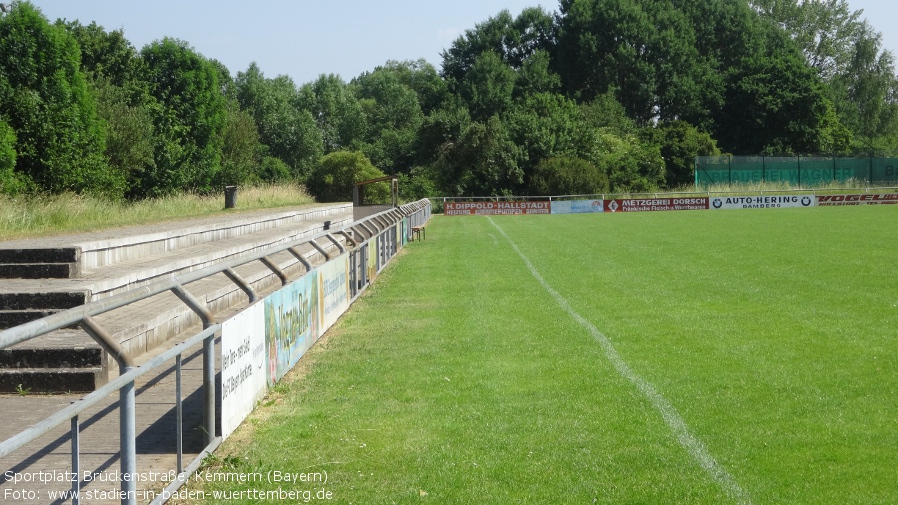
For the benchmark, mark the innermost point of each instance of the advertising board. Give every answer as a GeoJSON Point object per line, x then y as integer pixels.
{"type": "Point", "coordinates": [243, 360]}
{"type": "Point", "coordinates": [577, 206]}
{"type": "Point", "coordinates": [762, 202]}
{"type": "Point", "coordinates": [496, 208]}
{"type": "Point", "coordinates": [291, 324]}
{"type": "Point", "coordinates": [870, 199]}
{"type": "Point", "coordinates": [333, 289]}
{"type": "Point", "coordinates": [655, 204]}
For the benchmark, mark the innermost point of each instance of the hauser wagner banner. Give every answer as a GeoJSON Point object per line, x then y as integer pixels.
{"type": "Point", "coordinates": [496, 208]}
{"type": "Point", "coordinates": [655, 204]}
{"type": "Point", "coordinates": [762, 202]}
{"type": "Point", "coordinates": [872, 199]}
{"type": "Point", "coordinates": [243, 370]}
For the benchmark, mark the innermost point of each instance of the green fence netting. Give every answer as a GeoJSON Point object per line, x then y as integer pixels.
{"type": "Point", "coordinates": [795, 170]}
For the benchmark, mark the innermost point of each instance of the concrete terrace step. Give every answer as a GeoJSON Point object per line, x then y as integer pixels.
{"type": "Point", "coordinates": [69, 256]}
{"type": "Point", "coordinates": [61, 361]}
{"type": "Point", "coordinates": [140, 327]}
{"type": "Point", "coordinates": [52, 380]}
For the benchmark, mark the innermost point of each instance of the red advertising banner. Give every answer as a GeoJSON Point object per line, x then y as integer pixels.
{"type": "Point", "coordinates": [496, 208]}
{"type": "Point", "coordinates": [655, 204]}
{"type": "Point", "coordinates": [872, 199]}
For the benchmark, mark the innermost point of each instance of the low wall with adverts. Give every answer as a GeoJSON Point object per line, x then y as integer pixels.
{"type": "Point", "coordinates": [658, 202]}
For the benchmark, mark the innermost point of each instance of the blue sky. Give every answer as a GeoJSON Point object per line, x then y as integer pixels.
{"type": "Point", "coordinates": [307, 38]}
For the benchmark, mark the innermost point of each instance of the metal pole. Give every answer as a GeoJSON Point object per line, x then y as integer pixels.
{"type": "Point", "coordinates": [128, 435]}
{"type": "Point", "coordinates": [209, 389]}
{"type": "Point", "coordinates": [179, 415]}
{"type": "Point", "coordinates": [76, 464]}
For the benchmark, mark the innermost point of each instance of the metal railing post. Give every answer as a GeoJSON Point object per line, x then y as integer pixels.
{"type": "Point", "coordinates": [76, 460]}
{"type": "Point", "coordinates": [128, 434]}
{"type": "Point", "coordinates": [179, 416]}
{"type": "Point", "coordinates": [209, 389]}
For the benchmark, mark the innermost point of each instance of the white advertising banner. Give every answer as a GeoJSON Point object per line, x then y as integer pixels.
{"type": "Point", "coordinates": [577, 206]}
{"type": "Point", "coordinates": [243, 359]}
{"type": "Point", "coordinates": [333, 278]}
{"type": "Point", "coordinates": [762, 202]}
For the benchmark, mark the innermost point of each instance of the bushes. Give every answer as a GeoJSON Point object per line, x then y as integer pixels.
{"type": "Point", "coordinates": [337, 173]}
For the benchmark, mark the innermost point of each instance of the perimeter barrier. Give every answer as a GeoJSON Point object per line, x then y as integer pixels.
{"type": "Point", "coordinates": [641, 202]}
{"type": "Point", "coordinates": [287, 321]}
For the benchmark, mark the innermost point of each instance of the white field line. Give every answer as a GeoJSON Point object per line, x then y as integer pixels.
{"type": "Point", "coordinates": [677, 425]}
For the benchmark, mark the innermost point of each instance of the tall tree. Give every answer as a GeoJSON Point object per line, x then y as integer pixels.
{"type": "Point", "coordinates": [105, 54]}
{"type": "Point", "coordinates": [824, 30]}
{"type": "Point", "coordinates": [290, 132]}
{"type": "Point", "coordinates": [642, 51]}
{"type": "Point", "coordinates": [422, 78]}
{"type": "Point", "coordinates": [775, 105]}
{"type": "Point", "coordinates": [513, 40]}
{"type": "Point", "coordinates": [189, 121]}
{"type": "Point", "coordinates": [45, 99]}
{"type": "Point", "coordinates": [848, 55]}
{"type": "Point", "coordinates": [393, 115]}
{"type": "Point", "coordinates": [336, 110]}
{"type": "Point", "coordinates": [547, 125]}
{"type": "Point", "coordinates": [867, 94]}
{"type": "Point", "coordinates": [489, 87]}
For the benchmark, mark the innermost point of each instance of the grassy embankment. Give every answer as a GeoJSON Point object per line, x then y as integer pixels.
{"type": "Point", "coordinates": [52, 215]}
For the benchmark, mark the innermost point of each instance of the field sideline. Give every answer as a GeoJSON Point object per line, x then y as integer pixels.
{"type": "Point", "coordinates": [682, 357]}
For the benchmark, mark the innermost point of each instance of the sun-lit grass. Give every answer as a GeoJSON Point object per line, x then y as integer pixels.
{"type": "Point", "coordinates": [458, 378]}
{"type": "Point", "coordinates": [24, 217]}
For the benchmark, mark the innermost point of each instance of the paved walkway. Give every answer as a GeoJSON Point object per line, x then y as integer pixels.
{"type": "Point", "coordinates": [39, 472]}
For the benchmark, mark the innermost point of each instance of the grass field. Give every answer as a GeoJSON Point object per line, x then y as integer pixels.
{"type": "Point", "coordinates": [647, 358]}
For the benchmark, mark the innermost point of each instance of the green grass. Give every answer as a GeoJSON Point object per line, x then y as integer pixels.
{"type": "Point", "coordinates": [458, 378]}
{"type": "Point", "coordinates": [35, 216]}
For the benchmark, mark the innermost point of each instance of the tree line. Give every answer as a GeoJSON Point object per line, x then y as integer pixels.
{"type": "Point", "coordinates": [602, 95]}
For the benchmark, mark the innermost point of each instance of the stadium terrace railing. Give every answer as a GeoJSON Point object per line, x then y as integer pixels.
{"type": "Point", "coordinates": [379, 233]}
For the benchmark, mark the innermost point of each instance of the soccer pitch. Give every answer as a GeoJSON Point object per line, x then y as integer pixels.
{"type": "Point", "coordinates": [682, 357]}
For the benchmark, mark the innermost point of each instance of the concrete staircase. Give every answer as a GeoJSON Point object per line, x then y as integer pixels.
{"type": "Point", "coordinates": [42, 276]}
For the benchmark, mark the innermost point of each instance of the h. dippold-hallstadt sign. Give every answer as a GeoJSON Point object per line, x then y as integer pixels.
{"type": "Point", "coordinates": [496, 208]}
